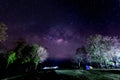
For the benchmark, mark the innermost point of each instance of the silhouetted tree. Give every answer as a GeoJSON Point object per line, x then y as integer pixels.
{"type": "Point", "coordinates": [81, 57]}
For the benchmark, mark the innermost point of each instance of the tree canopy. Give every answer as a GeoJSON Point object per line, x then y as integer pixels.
{"type": "Point", "coordinates": [100, 49]}
{"type": "Point", "coordinates": [3, 34]}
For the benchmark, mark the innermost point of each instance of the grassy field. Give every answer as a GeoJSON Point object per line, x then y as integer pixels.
{"type": "Point", "coordinates": [89, 75]}
{"type": "Point", "coordinates": [69, 75]}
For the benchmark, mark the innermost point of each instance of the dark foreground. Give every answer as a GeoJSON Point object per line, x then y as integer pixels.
{"type": "Point", "coordinates": [68, 75]}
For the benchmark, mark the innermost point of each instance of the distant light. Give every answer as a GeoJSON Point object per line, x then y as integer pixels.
{"type": "Point", "coordinates": [54, 67]}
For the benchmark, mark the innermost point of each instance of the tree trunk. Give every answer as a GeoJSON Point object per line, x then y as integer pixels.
{"type": "Point", "coordinates": [79, 64]}
{"type": "Point", "coordinates": [115, 64]}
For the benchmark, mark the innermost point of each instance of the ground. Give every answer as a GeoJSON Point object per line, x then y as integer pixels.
{"type": "Point", "coordinates": [89, 75]}
{"type": "Point", "coordinates": [69, 75]}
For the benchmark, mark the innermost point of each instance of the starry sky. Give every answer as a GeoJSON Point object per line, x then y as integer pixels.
{"type": "Point", "coordinates": [60, 25]}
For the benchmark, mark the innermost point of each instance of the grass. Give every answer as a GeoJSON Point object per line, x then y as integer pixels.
{"type": "Point", "coordinates": [70, 75]}
{"type": "Point", "coordinates": [88, 75]}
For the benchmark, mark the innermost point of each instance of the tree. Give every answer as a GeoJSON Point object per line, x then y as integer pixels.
{"type": "Point", "coordinates": [23, 57]}
{"type": "Point", "coordinates": [19, 46]}
{"type": "Point", "coordinates": [113, 54]}
{"type": "Point", "coordinates": [3, 36]}
{"type": "Point", "coordinates": [3, 33]}
{"type": "Point", "coordinates": [11, 58]}
{"type": "Point", "coordinates": [81, 57]}
{"type": "Point", "coordinates": [28, 54]}
{"type": "Point", "coordinates": [35, 54]}
{"type": "Point", "coordinates": [100, 50]}
{"type": "Point", "coordinates": [103, 49]}
{"type": "Point", "coordinates": [97, 46]}
{"type": "Point", "coordinates": [40, 56]}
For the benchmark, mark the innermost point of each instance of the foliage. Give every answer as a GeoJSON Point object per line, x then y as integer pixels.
{"type": "Point", "coordinates": [98, 46]}
{"type": "Point", "coordinates": [25, 57]}
{"type": "Point", "coordinates": [101, 50]}
{"type": "Point", "coordinates": [3, 33]}
{"type": "Point", "coordinates": [33, 53]}
{"type": "Point", "coordinates": [81, 56]}
{"type": "Point", "coordinates": [40, 54]}
{"type": "Point", "coordinates": [19, 47]}
{"type": "Point", "coordinates": [114, 53]}
{"type": "Point", "coordinates": [27, 53]}
{"type": "Point", "coordinates": [11, 57]}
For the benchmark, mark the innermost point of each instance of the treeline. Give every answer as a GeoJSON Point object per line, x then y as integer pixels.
{"type": "Point", "coordinates": [23, 57]}
{"type": "Point", "coordinates": [99, 51]}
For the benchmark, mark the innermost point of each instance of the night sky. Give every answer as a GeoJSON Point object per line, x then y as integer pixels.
{"type": "Point", "coordinates": [60, 25]}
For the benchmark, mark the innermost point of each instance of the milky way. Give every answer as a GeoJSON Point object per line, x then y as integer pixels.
{"type": "Point", "coordinates": [60, 41]}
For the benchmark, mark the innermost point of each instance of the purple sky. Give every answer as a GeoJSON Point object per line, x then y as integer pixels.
{"type": "Point", "coordinates": [60, 25]}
